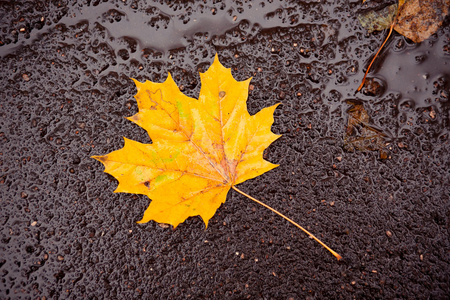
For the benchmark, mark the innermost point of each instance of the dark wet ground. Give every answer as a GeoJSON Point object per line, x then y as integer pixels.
{"type": "Point", "coordinates": [64, 93]}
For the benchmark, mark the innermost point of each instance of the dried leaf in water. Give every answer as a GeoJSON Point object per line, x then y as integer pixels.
{"type": "Point", "coordinates": [359, 134]}
{"type": "Point", "coordinates": [382, 24]}
{"type": "Point", "coordinates": [377, 20]}
{"type": "Point", "coordinates": [418, 19]}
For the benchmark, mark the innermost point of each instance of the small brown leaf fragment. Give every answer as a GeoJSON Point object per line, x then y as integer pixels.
{"type": "Point", "coordinates": [418, 19]}
{"type": "Point", "coordinates": [360, 135]}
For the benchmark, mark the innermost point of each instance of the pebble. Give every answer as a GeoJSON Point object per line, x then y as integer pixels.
{"type": "Point", "coordinates": [432, 114]}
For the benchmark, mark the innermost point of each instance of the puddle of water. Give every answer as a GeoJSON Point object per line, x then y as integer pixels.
{"type": "Point", "coordinates": [166, 27]}
{"type": "Point", "coordinates": [414, 70]}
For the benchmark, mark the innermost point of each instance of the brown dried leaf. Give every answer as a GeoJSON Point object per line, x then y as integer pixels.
{"type": "Point", "coordinates": [418, 19]}
{"type": "Point", "coordinates": [359, 134]}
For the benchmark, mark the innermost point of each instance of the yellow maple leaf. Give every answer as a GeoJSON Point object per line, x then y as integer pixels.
{"type": "Point", "coordinates": [200, 148]}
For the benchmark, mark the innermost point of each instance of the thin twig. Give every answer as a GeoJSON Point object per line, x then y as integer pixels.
{"type": "Point", "coordinates": [382, 45]}
{"type": "Point", "coordinates": [290, 220]}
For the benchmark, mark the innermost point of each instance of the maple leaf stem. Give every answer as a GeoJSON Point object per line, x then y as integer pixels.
{"type": "Point", "coordinates": [376, 55]}
{"type": "Point", "coordinates": [290, 220]}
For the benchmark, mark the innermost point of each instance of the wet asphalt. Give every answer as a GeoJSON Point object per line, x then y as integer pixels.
{"type": "Point", "coordinates": [65, 91]}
